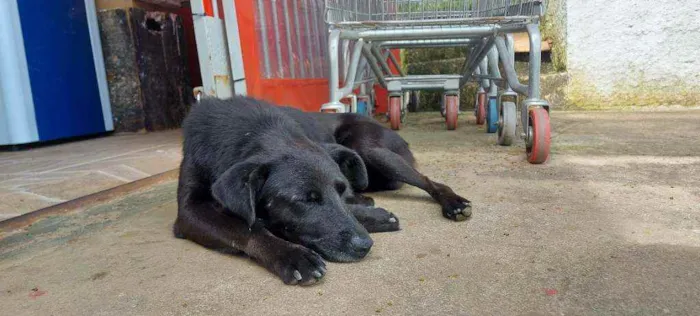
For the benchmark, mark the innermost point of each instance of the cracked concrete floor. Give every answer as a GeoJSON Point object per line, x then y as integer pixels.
{"type": "Point", "coordinates": [45, 176]}
{"type": "Point", "coordinates": [610, 226]}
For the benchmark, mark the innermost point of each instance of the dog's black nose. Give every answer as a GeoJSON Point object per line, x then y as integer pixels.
{"type": "Point", "coordinates": [361, 245]}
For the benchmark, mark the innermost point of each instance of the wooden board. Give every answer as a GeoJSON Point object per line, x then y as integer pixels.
{"type": "Point", "coordinates": [522, 43]}
{"type": "Point", "coordinates": [147, 74]}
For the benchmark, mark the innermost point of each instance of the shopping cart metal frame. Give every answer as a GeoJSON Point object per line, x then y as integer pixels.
{"type": "Point", "coordinates": [367, 29]}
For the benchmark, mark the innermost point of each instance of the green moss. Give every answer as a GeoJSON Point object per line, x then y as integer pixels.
{"type": "Point", "coordinates": [553, 28]}
{"type": "Point", "coordinates": [581, 94]}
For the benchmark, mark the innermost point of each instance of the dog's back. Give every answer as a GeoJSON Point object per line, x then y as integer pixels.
{"type": "Point", "coordinates": [218, 133]}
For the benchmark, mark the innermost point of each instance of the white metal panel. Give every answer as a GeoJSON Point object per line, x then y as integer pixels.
{"type": "Point", "coordinates": [16, 103]}
{"type": "Point", "coordinates": [234, 47]}
{"type": "Point", "coordinates": [213, 52]}
{"type": "Point", "coordinates": [98, 57]}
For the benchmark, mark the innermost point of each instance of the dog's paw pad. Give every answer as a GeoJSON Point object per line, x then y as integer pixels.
{"type": "Point", "coordinates": [455, 207]}
{"type": "Point", "coordinates": [380, 220]}
{"type": "Point", "coordinates": [458, 213]}
{"type": "Point", "coordinates": [301, 266]}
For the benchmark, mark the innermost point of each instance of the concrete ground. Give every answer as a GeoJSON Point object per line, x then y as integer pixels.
{"type": "Point", "coordinates": [45, 176]}
{"type": "Point", "coordinates": [610, 226]}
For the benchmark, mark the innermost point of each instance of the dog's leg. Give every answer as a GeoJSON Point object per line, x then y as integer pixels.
{"type": "Point", "coordinates": [394, 167]}
{"type": "Point", "coordinates": [203, 221]}
{"type": "Point", "coordinates": [209, 227]}
{"type": "Point", "coordinates": [375, 219]}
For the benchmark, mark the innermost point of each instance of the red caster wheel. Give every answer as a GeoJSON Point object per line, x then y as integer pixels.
{"type": "Point", "coordinates": [451, 111]}
{"type": "Point", "coordinates": [540, 136]}
{"type": "Point", "coordinates": [395, 112]}
{"type": "Point", "coordinates": [480, 108]}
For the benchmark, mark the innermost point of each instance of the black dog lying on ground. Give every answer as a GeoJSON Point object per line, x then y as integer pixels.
{"type": "Point", "coordinates": [280, 185]}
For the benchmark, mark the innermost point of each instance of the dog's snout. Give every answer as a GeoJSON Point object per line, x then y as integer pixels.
{"type": "Point", "coordinates": [361, 245]}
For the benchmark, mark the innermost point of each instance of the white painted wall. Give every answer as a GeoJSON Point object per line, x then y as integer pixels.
{"type": "Point", "coordinates": [615, 45]}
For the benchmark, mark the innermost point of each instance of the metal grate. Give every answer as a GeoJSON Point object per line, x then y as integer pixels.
{"type": "Point", "coordinates": [378, 12]}
{"type": "Point", "coordinates": [292, 38]}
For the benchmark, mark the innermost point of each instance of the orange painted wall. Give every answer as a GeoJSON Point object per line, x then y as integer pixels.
{"type": "Point", "coordinates": [304, 94]}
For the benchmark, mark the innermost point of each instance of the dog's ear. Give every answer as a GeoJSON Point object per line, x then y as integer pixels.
{"type": "Point", "coordinates": [239, 187]}
{"type": "Point", "coordinates": [350, 164]}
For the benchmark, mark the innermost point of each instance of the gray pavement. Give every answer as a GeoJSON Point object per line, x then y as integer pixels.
{"type": "Point", "coordinates": [610, 226]}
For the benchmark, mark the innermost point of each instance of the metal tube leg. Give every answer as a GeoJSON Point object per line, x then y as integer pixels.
{"type": "Point", "coordinates": [333, 74]}
{"type": "Point", "coordinates": [381, 59]}
{"type": "Point", "coordinates": [507, 58]}
{"type": "Point", "coordinates": [484, 69]}
{"type": "Point", "coordinates": [493, 71]}
{"type": "Point", "coordinates": [352, 68]}
{"type": "Point", "coordinates": [395, 62]}
{"type": "Point", "coordinates": [510, 42]}
{"type": "Point", "coordinates": [535, 61]}
{"type": "Point", "coordinates": [475, 58]}
{"type": "Point", "coordinates": [372, 61]}
{"type": "Point", "coordinates": [344, 58]}
{"type": "Point", "coordinates": [506, 54]}
{"type": "Point", "coordinates": [534, 97]}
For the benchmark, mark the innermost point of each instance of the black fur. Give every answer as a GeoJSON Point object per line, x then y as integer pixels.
{"type": "Point", "coordinates": [279, 184]}
{"type": "Point", "coordinates": [386, 155]}
{"type": "Point", "coordinates": [252, 181]}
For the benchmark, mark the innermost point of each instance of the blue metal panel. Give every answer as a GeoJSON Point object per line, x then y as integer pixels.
{"type": "Point", "coordinates": [61, 68]}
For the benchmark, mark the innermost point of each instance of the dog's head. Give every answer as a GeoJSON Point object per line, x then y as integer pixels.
{"type": "Point", "coordinates": [300, 196]}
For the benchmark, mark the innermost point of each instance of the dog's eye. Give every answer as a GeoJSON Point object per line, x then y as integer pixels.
{"type": "Point", "coordinates": [314, 197]}
{"type": "Point", "coordinates": [340, 187]}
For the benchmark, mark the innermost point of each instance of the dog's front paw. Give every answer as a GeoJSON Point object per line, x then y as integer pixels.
{"type": "Point", "coordinates": [376, 219]}
{"type": "Point", "coordinates": [454, 207]}
{"type": "Point", "coordinates": [299, 265]}
{"type": "Point", "coordinates": [384, 221]}
{"type": "Point", "coordinates": [458, 213]}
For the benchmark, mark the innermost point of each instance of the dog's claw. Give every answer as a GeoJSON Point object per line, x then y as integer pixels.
{"type": "Point", "coordinates": [298, 265]}
{"type": "Point", "coordinates": [458, 211]}
{"type": "Point", "coordinates": [454, 207]}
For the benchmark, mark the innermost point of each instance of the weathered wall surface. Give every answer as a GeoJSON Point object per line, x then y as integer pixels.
{"type": "Point", "coordinates": [145, 61]}
{"type": "Point", "coordinates": [633, 53]}
{"type": "Point", "coordinates": [553, 29]}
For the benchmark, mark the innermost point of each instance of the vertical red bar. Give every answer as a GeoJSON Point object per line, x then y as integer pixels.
{"type": "Point", "coordinates": [208, 7]}
{"type": "Point", "coordinates": [221, 9]}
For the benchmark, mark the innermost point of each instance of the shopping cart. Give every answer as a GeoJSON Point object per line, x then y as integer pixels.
{"type": "Point", "coordinates": [362, 33]}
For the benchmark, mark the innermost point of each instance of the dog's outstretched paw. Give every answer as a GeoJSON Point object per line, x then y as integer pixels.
{"type": "Point", "coordinates": [299, 265]}
{"type": "Point", "coordinates": [384, 221]}
{"type": "Point", "coordinates": [456, 208]}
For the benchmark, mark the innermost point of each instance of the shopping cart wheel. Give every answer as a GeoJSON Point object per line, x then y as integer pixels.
{"type": "Point", "coordinates": [480, 108]}
{"type": "Point", "coordinates": [395, 112]}
{"type": "Point", "coordinates": [506, 123]}
{"type": "Point", "coordinates": [492, 116]}
{"type": "Point", "coordinates": [540, 136]}
{"type": "Point", "coordinates": [451, 111]}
